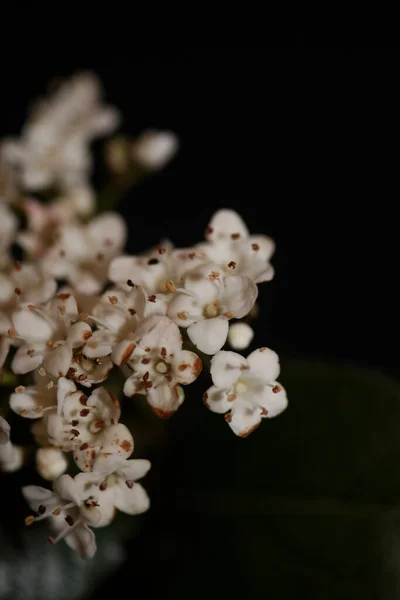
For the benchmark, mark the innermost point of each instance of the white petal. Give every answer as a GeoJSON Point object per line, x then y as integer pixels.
{"type": "Point", "coordinates": [226, 222]}
{"type": "Point", "coordinates": [159, 332]}
{"type": "Point", "coordinates": [245, 418]}
{"type": "Point", "coordinates": [78, 334]}
{"type": "Point", "coordinates": [188, 367]}
{"type": "Point", "coordinates": [201, 286]}
{"type": "Point", "coordinates": [135, 469]}
{"type": "Point", "coordinates": [122, 352]}
{"type": "Point", "coordinates": [27, 404]}
{"type": "Point", "coordinates": [226, 368]}
{"type": "Point", "coordinates": [120, 269]}
{"type": "Point", "coordinates": [184, 309]}
{"type": "Point", "coordinates": [131, 501]}
{"type": "Point", "coordinates": [36, 495]}
{"type": "Point", "coordinates": [106, 403]}
{"type": "Point", "coordinates": [41, 293]}
{"type": "Point", "coordinates": [100, 344]}
{"type": "Point", "coordinates": [23, 362]}
{"type": "Point", "coordinates": [108, 226]}
{"type": "Point", "coordinates": [164, 399]}
{"type": "Point", "coordinates": [117, 439]}
{"type": "Point", "coordinates": [64, 387]}
{"type": "Point", "coordinates": [58, 361]}
{"type": "Point", "coordinates": [274, 400]}
{"type": "Point", "coordinates": [240, 294]}
{"type": "Point", "coordinates": [83, 541]}
{"type": "Point", "coordinates": [216, 399]}
{"type": "Point", "coordinates": [66, 487]}
{"type": "Point", "coordinates": [133, 385]}
{"type": "Point", "coordinates": [266, 246]}
{"type": "Point", "coordinates": [264, 364]}
{"type": "Point", "coordinates": [31, 326]}
{"type": "Point", "coordinates": [209, 335]}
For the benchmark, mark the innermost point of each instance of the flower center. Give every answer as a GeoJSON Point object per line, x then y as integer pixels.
{"type": "Point", "coordinates": [162, 367]}
{"type": "Point", "coordinates": [212, 309]}
{"type": "Point", "coordinates": [241, 386]}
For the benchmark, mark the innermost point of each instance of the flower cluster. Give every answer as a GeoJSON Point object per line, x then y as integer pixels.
{"type": "Point", "coordinates": [76, 308]}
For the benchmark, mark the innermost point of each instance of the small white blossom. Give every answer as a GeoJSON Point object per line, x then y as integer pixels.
{"type": "Point", "coordinates": [70, 512]}
{"type": "Point", "coordinates": [240, 335]}
{"type": "Point", "coordinates": [245, 389]}
{"type": "Point", "coordinates": [154, 149]}
{"type": "Point", "coordinates": [113, 484]}
{"type": "Point", "coordinates": [206, 303]}
{"type": "Point", "coordinates": [51, 463]}
{"type": "Point", "coordinates": [160, 365]}
{"type": "Point", "coordinates": [230, 246]}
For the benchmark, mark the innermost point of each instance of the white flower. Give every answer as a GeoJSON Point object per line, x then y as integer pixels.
{"type": "Point", "coordinates": [11, 456]}
{"type": "Point", "coordinates": [159, 365]}
{"type": "Point", "coordinates": [50, 463]}
{"type": "Point", "coordinates": [88, 426]}
{"type": "Point", "coordinates": [54, 147]}
{"type": "Point", "coordinates": [70, 512]}
{"type": "Point", "coordinates": [245, 389]}
{"type": "Point", "coordinates": [153, 149]}
{"type": "Point", "coordinates": [45, 220]}
{"type": "Point", "coordinates": [230, 246]}
{"type": "Point", "coordinates": [206, 303]}
{"type": "Point", "coordinates": [113, 485]}
{"type": "Point", "coordinates": [82, 254]}
{"type": "Point", "coordinates": [240, 335]}
{"type": "Point", "coordinates": [50, 335]}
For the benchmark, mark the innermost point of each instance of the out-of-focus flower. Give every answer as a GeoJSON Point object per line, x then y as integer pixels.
{"type": "Point", "coordinates": [206, 303]}
{"type": "Point", "coordinates": [51, 463]}
{"type": "Point", "coordinates": [54, 146]}
{"type": "Point", "coordinates": [240, 335]}
{"type": "Point", "coordinates": [82, 254]}
{"type": "Point", "coordinates": [8, 189]}
{"type": "Point", "coordinates": [245, 389]}
{"type": "Point", "coordinates": [70, 510]}
{"type": "Point", "coordinates": [154, 149]}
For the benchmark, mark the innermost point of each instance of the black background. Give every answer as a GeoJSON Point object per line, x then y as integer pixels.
{"type": "Point", "coordinates": [304, 144]}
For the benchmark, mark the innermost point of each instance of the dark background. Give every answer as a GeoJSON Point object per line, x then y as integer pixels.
{"type": "Point", "coordinates": [304, 144]}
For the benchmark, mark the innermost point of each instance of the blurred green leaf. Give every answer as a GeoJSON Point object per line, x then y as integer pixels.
{"type": "Point", "coordinates": [307, 506]}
